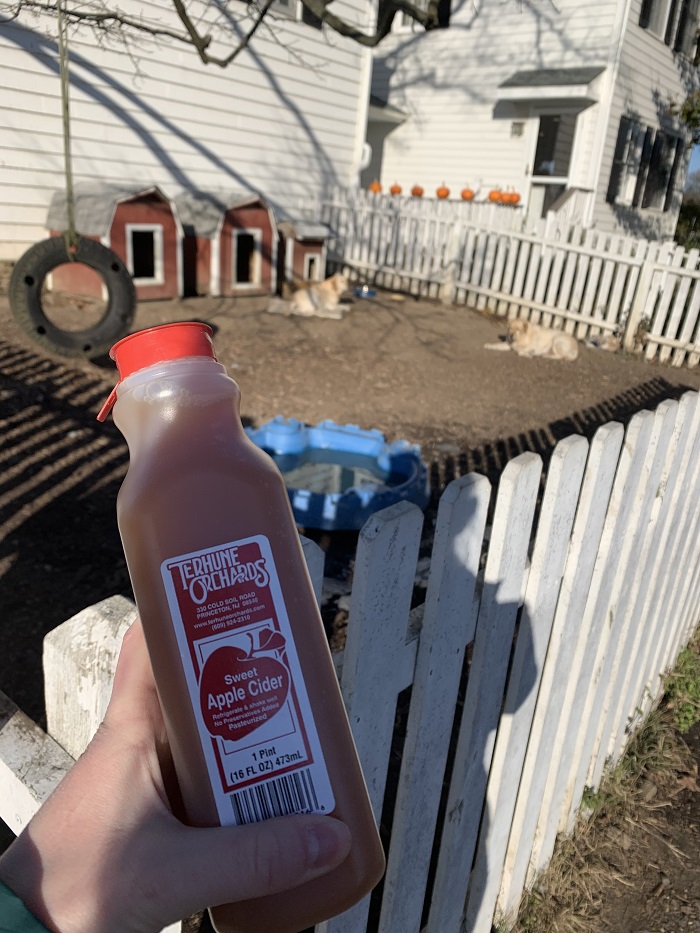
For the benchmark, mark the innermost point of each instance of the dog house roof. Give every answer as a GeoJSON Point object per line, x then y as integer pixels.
{"type": "Point", "coordinates": [202, 211]}
{"type": "Point", "coordinates": [304, 229]}
{"type": "Point", "coordinates": [94, 205]}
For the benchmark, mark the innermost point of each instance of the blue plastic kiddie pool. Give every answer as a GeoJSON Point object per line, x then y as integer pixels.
{"type": "Point", "coordinates": [339, 475]}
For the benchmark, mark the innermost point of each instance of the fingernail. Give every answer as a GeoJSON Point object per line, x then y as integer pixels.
{"type": "Point", "coordinates": [327, 843]}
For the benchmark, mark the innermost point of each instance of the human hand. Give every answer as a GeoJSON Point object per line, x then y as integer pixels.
{"type": "Point", "coordinates": [105, 854]}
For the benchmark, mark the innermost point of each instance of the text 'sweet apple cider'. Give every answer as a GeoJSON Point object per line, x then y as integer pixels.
{"type": "Point", "coordinates": [249, 694]}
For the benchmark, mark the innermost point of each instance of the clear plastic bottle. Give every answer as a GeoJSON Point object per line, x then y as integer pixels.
{"type": "Point", "coordinates": [246, 681]}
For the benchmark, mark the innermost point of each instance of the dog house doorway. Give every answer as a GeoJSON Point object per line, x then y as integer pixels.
{"type": "Point", "coordinates": [247, 256]}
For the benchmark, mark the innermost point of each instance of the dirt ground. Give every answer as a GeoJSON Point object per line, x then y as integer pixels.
{"type": "Point", "coordinates": [413, 369]}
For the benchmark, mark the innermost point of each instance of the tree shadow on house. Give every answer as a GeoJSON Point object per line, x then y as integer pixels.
{"type": "Point", "coordinates": [133, 112]}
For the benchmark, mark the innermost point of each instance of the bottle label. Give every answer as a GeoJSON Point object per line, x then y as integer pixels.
{"type": "Point", "coordinates": [247, 691]}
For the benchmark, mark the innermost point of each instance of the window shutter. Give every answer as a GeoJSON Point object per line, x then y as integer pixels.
{"type": "Point", "coordinates": [619, 159]}
{"type": "Point", "coordinates": [677, 159]}
{"type": "Point", "coordinates": [643, 166]}
{"type": "Point", "coordinates": [645, 15]}
{"type": "Point", "coordinates": [671, 23]}
{"type": "Point", "coordinates": [686, 34]}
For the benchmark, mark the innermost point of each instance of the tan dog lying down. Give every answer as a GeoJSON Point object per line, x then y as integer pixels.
{"type": "Point", "coordinates": [321, 299]}
{"type": "Point", "coordinates": [528, 339]}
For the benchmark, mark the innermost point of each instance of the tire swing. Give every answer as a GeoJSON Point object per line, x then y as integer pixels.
{"type": "Point", "coordinates": [40, 260]}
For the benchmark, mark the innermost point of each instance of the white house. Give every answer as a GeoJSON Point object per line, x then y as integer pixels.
{"type": "Point", "coordinates": [285, 118]}
{"type": "Point", "coordinates": [567, 103]}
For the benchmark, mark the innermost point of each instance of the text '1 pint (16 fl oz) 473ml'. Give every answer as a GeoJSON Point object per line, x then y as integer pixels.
{"type": "Point", "coordinates": [249, 693]}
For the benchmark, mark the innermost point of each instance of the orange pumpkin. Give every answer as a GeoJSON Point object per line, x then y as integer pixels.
{"type": "Point", "coordinates": [514, 198]}
{"type": "Point", "coordinates": [443, 192]}
{"type": "Point", "coordinates": [395, 188]}
{"type": "Point", "coordinates": [417, 191]}
{"type": "Point", "coordinates": [495, 195]}
{"type": "Point", "coordinates": [506, 198]}
{"type": "Point", "coordinates": [467, 194]}
{"type": "Point", "coordinates": [375, 187]}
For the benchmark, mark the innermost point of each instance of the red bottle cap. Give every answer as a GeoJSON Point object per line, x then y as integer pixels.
{"type": "Point", "coordinates": [157, 345]}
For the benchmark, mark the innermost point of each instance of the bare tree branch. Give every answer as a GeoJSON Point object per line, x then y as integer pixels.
{"type": "Point", "coordinates": [112, 21]}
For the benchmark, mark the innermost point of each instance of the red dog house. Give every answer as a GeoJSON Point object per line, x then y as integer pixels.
{"type": "Point", "coordinates": [302, 251]}
{"type": "Point", "coordinates": [230, 245]}
{"type": "Point", "coordinates": [139, 224]}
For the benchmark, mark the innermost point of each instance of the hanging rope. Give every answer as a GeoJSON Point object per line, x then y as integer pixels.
{"type": "Point", "coordinates": [69, 233]}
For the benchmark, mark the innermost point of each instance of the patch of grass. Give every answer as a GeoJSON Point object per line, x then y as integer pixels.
{"type": "Point", "coordinates": [618, 815]}
{"type": "Point", "coordinates": [683, 688]}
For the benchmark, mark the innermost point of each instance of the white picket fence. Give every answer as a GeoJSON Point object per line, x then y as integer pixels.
{"type": "Point", "coordinates": [584, 280]}
{"type": "Point", "coordinates": [550, 617]}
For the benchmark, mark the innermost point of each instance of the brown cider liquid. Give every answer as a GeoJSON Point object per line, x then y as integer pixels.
{"type": "Point", "coordinates": [195, 480]}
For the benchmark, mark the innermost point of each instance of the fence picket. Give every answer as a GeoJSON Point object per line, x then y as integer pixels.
{"type": "Point", "coordinates": [565, 658]}
{"type": "Point", "coordinates": [688, 325]}
{"type": "Point", "coordinates": [555, 282]}
{"type": "Point", "coordinates": [498, 271]}
{"type": "Point", "coordinates": [500, 601]}
{"type": "Point", "coordinates": [449, 621]}
{"type": "Point", "coordinates": [662, 606]}
{"type": "Point", "coordinates": [668, 284]}
{"type": "Point", "coordinates": [626, 627]}
{"type": "Point", "coordinates": [611, 602]}
{"type": "Point", "coordinates": [615, 528]}
{"type": "Point", "coordinates": [513, 247]}
{"type": "Point", "coordinates": [546, 257]}
{"type": "Point", "coordinates": [524, 255]}
{"type": "Point", "coordinates": [590, 291]}
{"type": "Point", "coordinates": [683, 283]}
{"type": "Point", "coordinates": [564, 478]}
{"type": "Point", "coordinates": [670, 488]}
{"type": "Point", "coordinates": [385, 567]}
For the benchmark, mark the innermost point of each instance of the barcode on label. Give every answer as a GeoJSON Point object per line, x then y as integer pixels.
{"type": "Point", "coordinates": [293, 793]}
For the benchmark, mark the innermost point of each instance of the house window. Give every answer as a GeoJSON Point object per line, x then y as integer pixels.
{"type": "Point", "coordinates": [247, 253]}
{"type": "Point", "coordinates": [144, 253]}
{"type": "Point", "coordinates": [555, 141]}
{"type": "Point", "coordinates": [674, 21]}
{"type": "Point", "coordinates": [645, 167]}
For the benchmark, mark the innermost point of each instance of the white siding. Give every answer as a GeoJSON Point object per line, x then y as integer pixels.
{"type": "Point", "coordinates": [457, 132]}
{"type": "Point", "coordinates": [650, 75]}
{"type": "Point", "coordinates": [447, 82]}
{"type": "Point", "coordinates": [285, 117]}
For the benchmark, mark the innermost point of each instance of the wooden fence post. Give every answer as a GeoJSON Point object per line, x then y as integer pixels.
{"type": "Point", "coordinates": [639, 303]}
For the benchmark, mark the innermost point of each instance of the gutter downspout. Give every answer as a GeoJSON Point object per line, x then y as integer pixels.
{"type": "Point", "coordinates": [363, 106]}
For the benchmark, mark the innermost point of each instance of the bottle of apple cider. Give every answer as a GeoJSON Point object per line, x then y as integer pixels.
{"type": "Point", "coordinates": [247, 685]}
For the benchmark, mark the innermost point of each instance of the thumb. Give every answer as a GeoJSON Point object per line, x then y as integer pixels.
{"type": "Point", "coordinates": [229, 864]}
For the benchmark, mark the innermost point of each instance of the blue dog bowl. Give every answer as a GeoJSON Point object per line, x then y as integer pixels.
{"type": "Point", "coordinates": [339, 475]}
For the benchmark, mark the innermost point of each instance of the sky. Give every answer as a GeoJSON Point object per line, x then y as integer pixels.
{"type": "Point", "coordinates": [695, 160]}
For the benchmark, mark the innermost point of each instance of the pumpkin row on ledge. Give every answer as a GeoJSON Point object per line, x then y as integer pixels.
{"type": "Point", "coordinates": [496, 196]}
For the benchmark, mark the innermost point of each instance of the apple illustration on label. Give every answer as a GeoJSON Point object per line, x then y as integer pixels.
{"type": "Point", "coordinates": [239, 691]}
